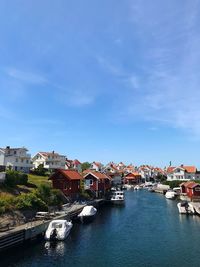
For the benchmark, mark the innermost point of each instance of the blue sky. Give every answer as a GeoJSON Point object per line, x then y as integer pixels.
{"type": "Point", "coordinates": [102, 80]}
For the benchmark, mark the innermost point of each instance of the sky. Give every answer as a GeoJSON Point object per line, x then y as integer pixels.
{"type": "Point", "coordinates": [102, 80]}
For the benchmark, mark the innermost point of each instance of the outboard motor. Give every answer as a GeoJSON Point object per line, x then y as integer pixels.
{"type": "Point", "coordinates": [53, 235]}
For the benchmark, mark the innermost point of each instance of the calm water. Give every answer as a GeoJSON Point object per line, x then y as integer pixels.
{"type": "Point", "coordinates": [148, 231]}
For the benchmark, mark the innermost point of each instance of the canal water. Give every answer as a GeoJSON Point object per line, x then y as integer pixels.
{"type": "Point", "coordinates": [147, 231]}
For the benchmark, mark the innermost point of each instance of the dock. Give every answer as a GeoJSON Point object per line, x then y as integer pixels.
{"type": "Point", "coordinates": [31, 230]}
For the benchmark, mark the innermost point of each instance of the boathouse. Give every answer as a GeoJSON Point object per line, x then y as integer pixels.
{"type": "Point", "coordinates": [68, 181]}
{"type": "Point", "coordinates": [97, 182]}
{"type": "Point", "coordinates": [132, 178]}
{"type": "Point", "coordinates": [191, 189]}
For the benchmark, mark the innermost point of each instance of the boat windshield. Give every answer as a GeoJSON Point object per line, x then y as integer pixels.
{"type": "Point", "coordinates": [57, 225]}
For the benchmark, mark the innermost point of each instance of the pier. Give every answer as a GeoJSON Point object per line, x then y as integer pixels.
{"type": "Point", "coordinates": [32, 230]}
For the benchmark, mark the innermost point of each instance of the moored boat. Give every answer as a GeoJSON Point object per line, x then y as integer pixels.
{"type": "Point", "coordinates": [185, 208]}
{"type": "Point", "coordinates": [117, 198]}
{"type": "Point", "coordinates": [87, 214]}
{"type": "Point", "coordinates": [137, 187]}
{"type": "Point", "coordinates": [58, 230]}
{"type": "Point", "coordinates": [170, 194]}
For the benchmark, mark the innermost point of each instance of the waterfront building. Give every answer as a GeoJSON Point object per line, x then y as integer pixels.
{"type": "Point", "coordinates": [49, 160]}
{"type": "Point", "coordinates": [99, 183]}
{"type": "Point", "coordinates": [15, 159]}
{"type": "Point", "coordinates": [191, 189]}
{"type": "Point", "coordinates": [132, 178]}
{"type": "Point", "coordinates": [68, 181]}
{"type": "Point", "coordinates": [182, 173]}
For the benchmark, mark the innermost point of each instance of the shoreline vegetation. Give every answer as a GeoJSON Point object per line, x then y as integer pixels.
{"type": "Point", "coordinates": [23, 195]}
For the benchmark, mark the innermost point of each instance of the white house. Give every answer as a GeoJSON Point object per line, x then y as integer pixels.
{"type": "Point", "coordinates": [16, 159]}
{"type": "Point", "coordinates": [50, 160]}
{"type": "Point", "coordinates": [145, 172]}
{"type": "Point", "coordinates": [97, 166]}
{"type": "Point", "coordinates": [182, 172]}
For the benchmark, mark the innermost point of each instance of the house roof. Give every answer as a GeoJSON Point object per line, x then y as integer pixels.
{"type": "Point", "coordinates": [191, 169]}
{"type": "Point", "coordinates": [98, 164]}
{"type": "Point", "coordinates": [69, 174]}
{"type": "Point", "coordinates": [46, 154]}
{"type": "Point", "coordinates": [98, 175]}
{"type": "Point", "coordinates": [132, 175]}
{"type": "Point", "coordinates": [190, 184]}
{"type": "Point", "coordinates": [76, 162]}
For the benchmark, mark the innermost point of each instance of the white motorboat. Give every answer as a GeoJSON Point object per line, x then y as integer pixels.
{"type": "Point", "coordinates": [185, 208]}
{"type": "Point", "coordinates": [87, 214]}
{"type": "Point", "coordinates": [117, 197]}
{"type": "Point", "coordinates": [170, 194]}
{"type": "Point", "coordinates": [137, 187]}
{"type": "Point", "coordinates": [58, 230]}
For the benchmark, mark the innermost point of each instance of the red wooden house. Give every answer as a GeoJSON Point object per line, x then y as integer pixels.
{"type": "Point", "coordinates": [132, 178]}
{"type": "Point", "coordinates": [68, 181]}
{"type": "Point", "coordinates": [191, 188]}
{"type": "Point", "coordinates": [97, 182]}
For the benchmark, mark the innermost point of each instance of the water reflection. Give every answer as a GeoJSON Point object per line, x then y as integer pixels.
{"type": "Point", "coordinates": [53, 248]}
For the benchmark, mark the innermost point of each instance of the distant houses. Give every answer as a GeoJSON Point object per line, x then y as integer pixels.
{"type": "Point", "coordinates": [182, 173]}
{"type": "Point", "coordinates": [16, 159]}
{"type": "Point", "coordinates": [49, 160]}
{"type": "Point", "coordinates": [98, 178]}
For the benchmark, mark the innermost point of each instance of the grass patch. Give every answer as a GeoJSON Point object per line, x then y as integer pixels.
{"type": "Point", "coordinates": [38, 180]}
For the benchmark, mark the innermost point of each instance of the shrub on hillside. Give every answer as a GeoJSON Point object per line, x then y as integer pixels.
{"type": "Point", "coordinates": [13, 178]}
{"type": "Point", "coordinates": [40, 170]}
{"type": "Point", "coordinates": [22, 179]}
{"type": "Point", "coordinates": [30, 201]}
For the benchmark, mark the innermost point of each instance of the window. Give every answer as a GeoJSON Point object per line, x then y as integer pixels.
{"type": "Point", "coordinates": [91, 182]}
{"type": "Point", "coordinates": [16, 160]}
{"type": "Point", "coordinates": [27, 161]}
{"type": "Point", "coordinates": [22, 160]}
{"type": "Point", "coordinates": [15, 152]}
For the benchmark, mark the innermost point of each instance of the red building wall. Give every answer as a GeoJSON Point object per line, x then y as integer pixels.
{"type": "Point", "coordinates": [67, 186]}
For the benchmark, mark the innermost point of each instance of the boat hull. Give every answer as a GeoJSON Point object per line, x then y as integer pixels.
{"type": "Point", "coordinates": [87, 219]}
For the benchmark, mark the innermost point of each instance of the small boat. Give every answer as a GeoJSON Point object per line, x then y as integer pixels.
{"type": "Point", "coordinates": [58, 230]}
{"type": "Point", "coordinates": [117, 197]}
{"type": "Point", "coordinates": [170, 194]}
{"type": "Point", "coordinates": [185, 208]}
{"type": "Point", "coordinates": [87, 214]}
{"type": "Point", "coordinates": [137, 187]}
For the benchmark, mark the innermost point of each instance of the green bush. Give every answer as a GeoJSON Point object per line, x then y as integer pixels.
{"type": "Point", "coordinates": [13, 178]}
{"type": "Point", "coordinates": [30, 201]}
{"type": "Point", "coordinates": [22, 179]}
{"type": "Point", "coordinates": [175, 183]}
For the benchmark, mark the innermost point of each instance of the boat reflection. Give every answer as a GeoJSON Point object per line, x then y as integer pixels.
{"type": "Point", "coordinates": [53, 248]}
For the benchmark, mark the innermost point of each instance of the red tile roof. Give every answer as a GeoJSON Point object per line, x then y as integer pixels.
{"type": "Point", "coordinates": [189, 168]}
{"type": "Point", "coordinates": [190, 184]}
{"type": "Point", "coordinates": [69, 174]}
{"type": "Point", "coordinates": [98, 175]}
{"type": "Point", "coordinates": [170, 169]}
{"type": "Point", "coordinates": [132, 175]}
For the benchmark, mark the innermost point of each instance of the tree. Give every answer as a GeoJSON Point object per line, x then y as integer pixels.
{"type": "Point", "coordinates": [85, 166]}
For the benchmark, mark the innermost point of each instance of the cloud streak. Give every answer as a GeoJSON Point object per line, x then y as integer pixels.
{"type": "Point", "coordinates": [167, 79]}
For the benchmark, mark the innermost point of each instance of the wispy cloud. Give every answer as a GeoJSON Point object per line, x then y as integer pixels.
{"type": "Point", "coordinates": [168, 85]}
{"type": "Point", "coordinates": [25, 76]}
